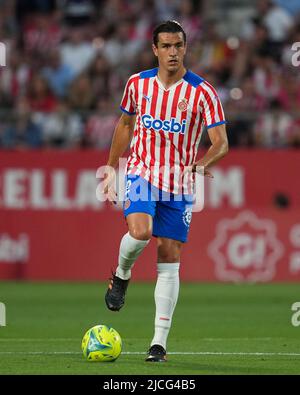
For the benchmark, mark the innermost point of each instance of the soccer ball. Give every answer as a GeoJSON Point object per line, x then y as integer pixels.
{"type": "Point", "coordinates": [101, 343]}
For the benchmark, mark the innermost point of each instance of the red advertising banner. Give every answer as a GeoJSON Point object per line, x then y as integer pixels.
{"type": "Point", "coordinates": [52, 227]}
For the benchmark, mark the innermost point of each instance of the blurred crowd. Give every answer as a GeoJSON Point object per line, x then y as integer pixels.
{"type": "Point", "coordinates": [67, 62]}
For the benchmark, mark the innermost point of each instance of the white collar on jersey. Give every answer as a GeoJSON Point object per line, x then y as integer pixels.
{"type": "Point", "coordinates": [173, 86]}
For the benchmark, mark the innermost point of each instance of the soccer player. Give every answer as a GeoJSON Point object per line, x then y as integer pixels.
{"type": "Point", "coordinates": [164, 112]}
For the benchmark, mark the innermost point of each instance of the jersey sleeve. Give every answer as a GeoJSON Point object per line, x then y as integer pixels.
{"type": "Point", "coordinates": [211, 107]}
{"type": "Point", "coordinates": [128, 104]}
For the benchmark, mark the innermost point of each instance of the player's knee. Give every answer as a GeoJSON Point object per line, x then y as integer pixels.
{"type": "Point", "coordinates": [168, 255]}
{"type": "Point", "coordinates": [168, 258]}
{"type": "Point", "coordinates": [141, 233]}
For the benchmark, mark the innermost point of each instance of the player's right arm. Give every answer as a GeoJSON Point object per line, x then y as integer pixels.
{"type": "Point", "coordinates": [122, 135]}
{"type": "Point", "coordinates": [120, 141]}
{"type": "Point", "coordinates": [121, 138]}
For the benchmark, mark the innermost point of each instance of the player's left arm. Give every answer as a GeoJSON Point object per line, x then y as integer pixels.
{"type": "Point", "coordinates": [217, 150]}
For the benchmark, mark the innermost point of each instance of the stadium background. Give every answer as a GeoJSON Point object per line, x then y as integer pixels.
{"type": "Point", "coordinates": [66, 66]}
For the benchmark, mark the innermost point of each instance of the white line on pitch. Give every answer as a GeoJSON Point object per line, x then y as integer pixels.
{"type": "Point", "coordinates": [143, 353]}
{"type": "Point", "coordinates": [207, 339]}
{"type": "Point", "coordinates": [38, 340]}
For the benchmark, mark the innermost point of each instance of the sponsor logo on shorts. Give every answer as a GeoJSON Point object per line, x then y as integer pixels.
{"type": "Point", "coordinates": [187, 217]}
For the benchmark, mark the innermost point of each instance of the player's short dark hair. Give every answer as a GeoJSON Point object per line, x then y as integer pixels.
{"type": "Point", "coordinates": [168, 27]}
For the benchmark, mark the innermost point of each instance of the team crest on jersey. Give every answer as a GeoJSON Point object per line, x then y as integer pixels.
{"type": "Point", "coordinates": [183, 105]}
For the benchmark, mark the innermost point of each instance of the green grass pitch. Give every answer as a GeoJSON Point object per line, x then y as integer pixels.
{"type": "Point", "coordinates": [217, 329]}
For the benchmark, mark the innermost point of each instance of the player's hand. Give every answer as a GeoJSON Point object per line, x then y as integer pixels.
{"type": "Point", "coordinates": [197, 168]}
{"type": "Point", "coordinates": [109, 185]}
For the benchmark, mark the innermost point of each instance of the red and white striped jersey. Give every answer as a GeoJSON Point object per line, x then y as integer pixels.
{"type": "Point", "coordinates": [168, 127]}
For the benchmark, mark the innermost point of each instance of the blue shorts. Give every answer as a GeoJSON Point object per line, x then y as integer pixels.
{"type": "Point", "coordinates": [172, 214]}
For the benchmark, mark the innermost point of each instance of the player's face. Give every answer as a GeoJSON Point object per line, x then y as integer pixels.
{"type": "Point", "coordinates": [170, 51]}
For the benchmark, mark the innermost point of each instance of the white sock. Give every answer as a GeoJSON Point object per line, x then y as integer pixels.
{"type": "Point", "coordinates": [130, 249]}
{"type": "Point", "coordinates": [165, 295]}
